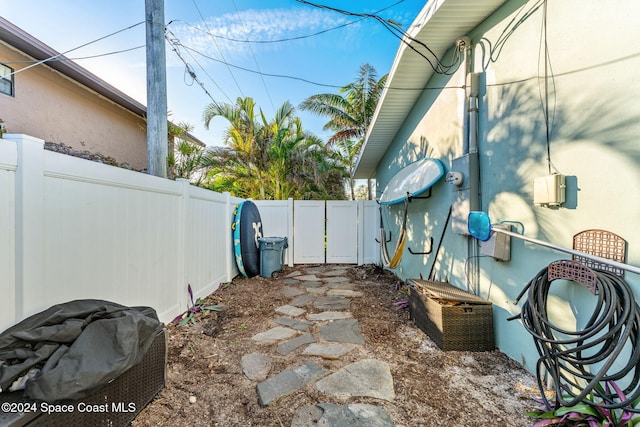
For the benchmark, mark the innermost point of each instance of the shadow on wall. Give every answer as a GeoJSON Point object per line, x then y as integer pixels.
{"type": "Point", "coordinates": [513, 142]}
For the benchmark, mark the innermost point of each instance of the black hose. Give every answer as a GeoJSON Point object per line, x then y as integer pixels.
{"type": "Point", "coordinates": [580, 363]}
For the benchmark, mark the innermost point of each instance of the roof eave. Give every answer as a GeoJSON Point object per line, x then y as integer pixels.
{"type": "Point", "coordinates": [439, 25]}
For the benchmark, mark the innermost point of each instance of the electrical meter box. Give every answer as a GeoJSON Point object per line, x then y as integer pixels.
{"type": "Point", "coordinates": [464, 179]}
{"type": "Point", "coordinates": [549, 190]}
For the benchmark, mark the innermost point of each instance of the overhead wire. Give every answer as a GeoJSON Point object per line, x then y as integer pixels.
{"type": "Point", "coordinates": [395, 29]}
{"type": "Point", "coordinates": [55, 57]}
{"type": "Point", "coordinates": [255, 60]}
{"type": "Point", "coordinates": [188, 68]}
{"type": "Point", "coordinates": [204, 21]}
{"type": "Point", "coordinates": [288, 39]}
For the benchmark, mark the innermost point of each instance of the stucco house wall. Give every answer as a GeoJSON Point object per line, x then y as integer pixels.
{"type": "Point", "coordinates": [592, 88]}
{"type": "Point", "coordinates": [51, 106]}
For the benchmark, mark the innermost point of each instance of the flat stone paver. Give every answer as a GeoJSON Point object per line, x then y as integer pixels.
{"type": "Point", "coordinates": [292, 292]}
{"type": "Point", "coordinates": [300, 325]}
{"type": "Point", "coordinates": [366, 378]}
{"type": "Point", "coordinates": [290, 282]}
{"type": "Point", "coordinates": [256, 366]}
{"type": "Point", "coordinates": [289, 310]}
{"type": "Point", "coordinates": [332, 273]}
{"type": "Point", "coordinates": [308, 278]}
{"type": "Point", "coordinates": [337, 279]}
{"type": "Point", "coordinates": [293, 274]}
{"type": "Point", "coordinates": [316, 290]}
{"type": "Point", "coordinates": [302, 300]}
{"type": "Point", "coordinates": [288, 381]}
{"type": "Point", "coordinates": [342, 331]}
{"type": "Point", "coordinates": [287, 347]}
{"type": "Point", "coordinates": [274, 334]}
{"type": "Point", "coordinates": [341, 285]}
{"type": "Point", "coordinates": [329, 315]}
{"type": "Point", "coordinates": [331, 414]}
{"type": "Point", "coordinates": [331, 351]}
{"type": "Point", "coordinates": [332, 303]}
{"type": "Point", "coordinates": [311, 284]}
{"type": "Point", "coordinates": [344, 293]}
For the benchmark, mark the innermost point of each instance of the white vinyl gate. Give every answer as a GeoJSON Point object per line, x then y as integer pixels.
{"type": "Point", "coordinates": [318, 232]}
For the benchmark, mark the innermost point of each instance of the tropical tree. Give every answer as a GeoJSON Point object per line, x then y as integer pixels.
{"type": "Point", "coordinates": [270, 159]}
{"type": "Point", "coordinates": [350, 111]}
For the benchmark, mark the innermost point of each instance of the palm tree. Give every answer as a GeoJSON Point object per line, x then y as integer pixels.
{"type": "Point", "coordinates": [351, 111]}
{"type": "Point", "coordinates": [266, 159]}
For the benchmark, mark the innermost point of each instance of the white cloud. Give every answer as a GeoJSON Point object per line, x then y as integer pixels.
{"type": "Point", "coordinates": [253, 24]}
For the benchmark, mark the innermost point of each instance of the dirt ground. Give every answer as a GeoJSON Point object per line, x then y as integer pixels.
{"type": "Point", "coordinates": [206, 386]}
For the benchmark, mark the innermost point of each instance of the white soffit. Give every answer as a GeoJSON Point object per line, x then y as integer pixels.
{"type": "Point", "coordinates": [439, 25]}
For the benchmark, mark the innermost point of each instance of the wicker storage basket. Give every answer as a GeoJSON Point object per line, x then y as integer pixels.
{"type": "Point", "coordinates": [124, 397]}
{"type": "Point", "coordinates": [453, 319]}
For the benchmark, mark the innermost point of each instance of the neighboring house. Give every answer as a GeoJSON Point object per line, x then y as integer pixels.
{"type": "Point", "coordinates": [568, 66]}
{"type": "Point", "coordinates": [62, 103]}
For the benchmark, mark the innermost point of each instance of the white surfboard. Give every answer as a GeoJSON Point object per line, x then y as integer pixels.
{"type": "Point", "coordinates": [412, 180]}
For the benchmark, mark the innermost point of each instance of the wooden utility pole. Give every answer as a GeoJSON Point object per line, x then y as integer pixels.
{"type": "Point", "coordinates": [156, 89]}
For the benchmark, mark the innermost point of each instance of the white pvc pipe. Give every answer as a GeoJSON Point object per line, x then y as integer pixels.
{"type": "Point", "coordinates": [612, 263]}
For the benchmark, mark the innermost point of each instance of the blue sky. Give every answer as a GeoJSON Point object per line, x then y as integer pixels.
{"type": "Point", "coordinates": [331, 58]}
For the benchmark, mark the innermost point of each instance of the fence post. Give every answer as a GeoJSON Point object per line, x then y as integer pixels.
{"type": "Point", "coordinates": [292, 238]}
{"type": "Point", "coordinates": [30, 280]}
{"type": "Point", "coordinates": [228, 236]}
{"type": "Point", "coordinates": [360, 232]}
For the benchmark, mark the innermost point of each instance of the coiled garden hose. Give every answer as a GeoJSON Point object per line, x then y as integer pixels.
{"type": "Point", "coordinates": [581, 363]}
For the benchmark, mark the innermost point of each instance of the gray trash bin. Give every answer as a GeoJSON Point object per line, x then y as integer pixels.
{"type": "Point", "coordinates": [271, 254]}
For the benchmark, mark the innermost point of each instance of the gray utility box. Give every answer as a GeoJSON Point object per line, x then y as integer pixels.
{"type": "Point", "coordinates": [271, 254]}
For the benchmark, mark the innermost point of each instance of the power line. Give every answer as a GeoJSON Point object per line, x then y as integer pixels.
{"type": "Point", "coordinates": [254, 57]}
{"type": "Point", "coordinates": [288, 39]}
{"type": "Point", "coordinates": [395, 29]}
{"type": "Point", "coordinates": [217, 47]}
{"type": "Point", "coordinates": [54, 57]}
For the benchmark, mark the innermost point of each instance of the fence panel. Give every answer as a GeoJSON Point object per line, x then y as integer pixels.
{"type": "Point", "coordinates": [342, 231]}
{"type": "Point", "coordinates": [277, 221]}
{"type": "Point", "coordinates": [370, 232]}
{"type": "Point", "coordinates": [110, 234]}
{"type": "Point", "coordinates": [308, 229]}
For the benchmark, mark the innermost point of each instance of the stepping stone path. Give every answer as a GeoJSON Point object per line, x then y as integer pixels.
{"type": "Point", "coordinates": [314, 327]}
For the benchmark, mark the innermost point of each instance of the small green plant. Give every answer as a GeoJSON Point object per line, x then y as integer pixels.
{"type": "Point", "coordinates": [3, 129]}
{"type": "Point", "coordinates": [591, 414]}
{"type": "Point", "coordinates": [195, 307]}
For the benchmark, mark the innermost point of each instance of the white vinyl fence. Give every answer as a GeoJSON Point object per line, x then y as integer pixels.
{"type": "Point", "coordinates": [318, 231]}
{"type": "Point", "coordinates": [74, 229]}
